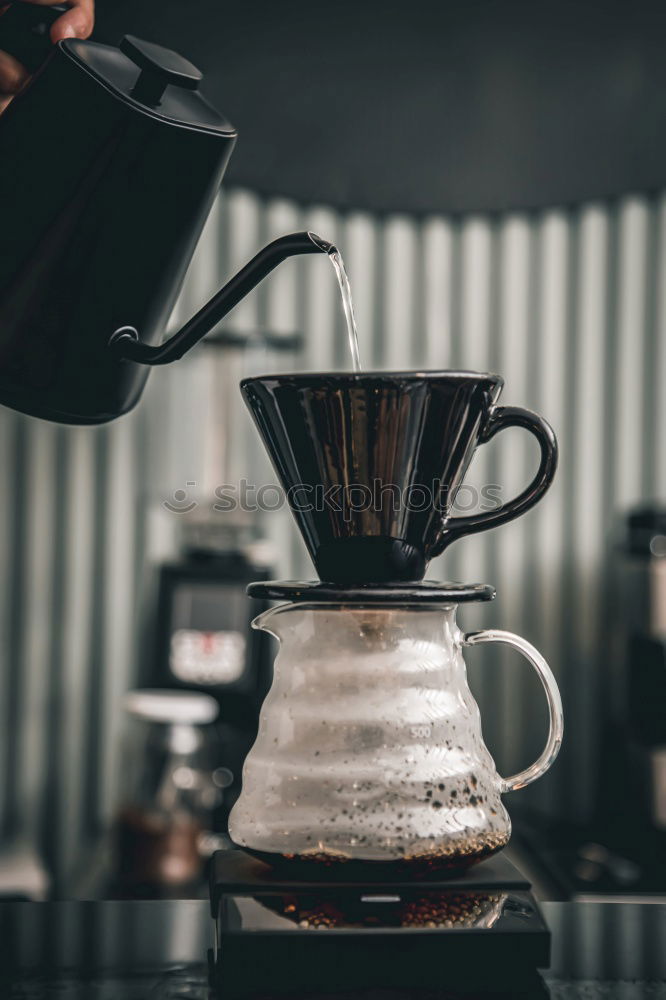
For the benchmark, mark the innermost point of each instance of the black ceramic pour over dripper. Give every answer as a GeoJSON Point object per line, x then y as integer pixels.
{"type": "Point", "coordinates": [371, 463]}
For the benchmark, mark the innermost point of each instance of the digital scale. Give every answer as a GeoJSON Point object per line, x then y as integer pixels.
{"type": "Point", "coordinates": [480, 933]}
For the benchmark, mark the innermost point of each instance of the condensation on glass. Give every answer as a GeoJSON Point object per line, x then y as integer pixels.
{"type": "Point", "coordinates": [370, 746]}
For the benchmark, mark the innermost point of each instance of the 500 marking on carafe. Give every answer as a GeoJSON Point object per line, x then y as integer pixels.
{"type": "Point", "coordinates": [422, 732]}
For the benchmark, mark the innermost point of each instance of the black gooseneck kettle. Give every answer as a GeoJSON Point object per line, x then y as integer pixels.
{"type": "Point", "coordinates": [110, 161]}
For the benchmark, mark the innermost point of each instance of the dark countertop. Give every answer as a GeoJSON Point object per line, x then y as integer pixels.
{"type": "Point", "coordinates": [158, 949]}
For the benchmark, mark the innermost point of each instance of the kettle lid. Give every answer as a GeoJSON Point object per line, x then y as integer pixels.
{"type": "Point", "coordinates": [150, 78]}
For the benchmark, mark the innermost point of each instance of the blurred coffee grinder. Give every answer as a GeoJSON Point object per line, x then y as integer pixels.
{"type": "Point", "coordinates": [203, 640]}
{"type": "Point", "coordinates": [170, 788]}
{"type": "Point", "coordinates": [643, 690]}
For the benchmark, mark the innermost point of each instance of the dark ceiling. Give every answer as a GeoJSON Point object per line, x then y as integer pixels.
{"type": "Point", "coordinates": [427, 106]}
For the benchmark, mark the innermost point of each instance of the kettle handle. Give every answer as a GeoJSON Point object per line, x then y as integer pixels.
{"type": "Point", "coordinates": [125, 343]}
{"type": "Point", "coordinates": [555, 716]}
{"type": "Point", "coordinates": [24, 31]}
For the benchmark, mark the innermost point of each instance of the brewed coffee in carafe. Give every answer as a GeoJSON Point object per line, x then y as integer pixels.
{"type": "Point", "coordinates": [370, 749]}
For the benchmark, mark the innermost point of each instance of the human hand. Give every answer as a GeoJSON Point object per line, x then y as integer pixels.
{"type": "Point", "coordinates": [77, 22]}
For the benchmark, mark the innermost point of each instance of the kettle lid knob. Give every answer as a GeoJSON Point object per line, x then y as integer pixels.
{"type": "Point", "coordinates": [159, 67]}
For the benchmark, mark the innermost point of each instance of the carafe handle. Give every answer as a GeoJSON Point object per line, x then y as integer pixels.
{"type": "Point", "coordinates": [500, 418]}
{"type": "Point", "coordinates": [555, 717]}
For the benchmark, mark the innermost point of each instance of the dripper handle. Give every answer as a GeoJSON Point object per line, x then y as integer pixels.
{"type": "Point", "coordinates": [500, 418]}
{"type": "Point", "coordinates": [555, 715]}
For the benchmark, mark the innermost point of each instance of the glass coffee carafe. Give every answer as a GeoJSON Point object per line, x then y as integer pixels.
{"type": "Point", "coordinates": [369, 747]}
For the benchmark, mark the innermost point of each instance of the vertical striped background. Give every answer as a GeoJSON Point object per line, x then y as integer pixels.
{"type": "Point", "coordinates": [569, 306]}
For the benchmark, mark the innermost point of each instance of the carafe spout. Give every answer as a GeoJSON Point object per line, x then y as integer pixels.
{"type": "Point", "coordinates": [266, 621]}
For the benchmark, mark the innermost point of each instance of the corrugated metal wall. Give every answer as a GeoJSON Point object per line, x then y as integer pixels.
{"type": "Point", "coordinates": [569, 306]}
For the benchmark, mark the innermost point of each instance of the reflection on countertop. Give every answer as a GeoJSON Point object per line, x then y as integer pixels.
{"type": "Point", "coordinates": [106, 950]}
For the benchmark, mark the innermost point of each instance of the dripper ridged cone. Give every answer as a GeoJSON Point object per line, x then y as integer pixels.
{"type": "Point", "coordinates": [369, 462]}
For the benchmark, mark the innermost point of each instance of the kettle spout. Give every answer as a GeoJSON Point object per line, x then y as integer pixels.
{"type": "Point", "coordinates": [125, 342]}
